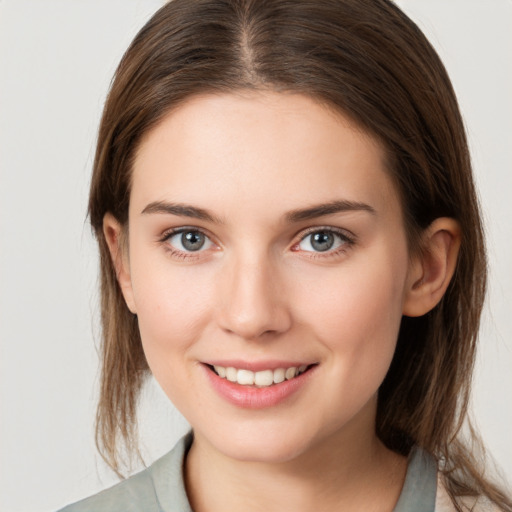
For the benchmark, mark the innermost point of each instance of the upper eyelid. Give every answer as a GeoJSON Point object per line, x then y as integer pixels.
{"type": "Point", "coordinates": [181, 229]}
{"type": "Point", "coordinates": [315, 229]}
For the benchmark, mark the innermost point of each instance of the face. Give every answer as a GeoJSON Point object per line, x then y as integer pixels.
{"type": "Point", "coordinates": [268, 267]}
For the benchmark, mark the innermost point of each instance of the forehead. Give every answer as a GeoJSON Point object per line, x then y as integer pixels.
{"type": "Point", "coordinates": [256, 148]}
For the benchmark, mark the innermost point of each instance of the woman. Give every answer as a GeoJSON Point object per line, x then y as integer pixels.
{"type": "Point", "coordinates": [291, 244]}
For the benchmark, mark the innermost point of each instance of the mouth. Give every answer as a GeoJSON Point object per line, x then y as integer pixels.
{"type": "Point", "coordinates": [259, 379]}
{"type": "Point", "coordinates": [258, 385]}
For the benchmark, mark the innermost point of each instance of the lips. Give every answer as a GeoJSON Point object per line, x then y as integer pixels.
{"type": "Point", "coordinates": [259, 389]}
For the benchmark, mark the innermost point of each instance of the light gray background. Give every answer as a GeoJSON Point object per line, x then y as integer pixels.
{"type": "Point", "coordinates": [56, 61]}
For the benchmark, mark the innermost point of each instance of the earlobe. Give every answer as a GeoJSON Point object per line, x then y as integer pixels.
{"type": "Point", "coordinates": [432, 269]}
{"type": "Point", "coordinates": [114, 236]}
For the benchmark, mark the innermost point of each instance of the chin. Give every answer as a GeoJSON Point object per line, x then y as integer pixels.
{"type": "Point", "coordinates": [259, 444]}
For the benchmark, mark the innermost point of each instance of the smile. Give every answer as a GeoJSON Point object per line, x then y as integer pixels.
{"type": "Point", "coordinates": [260, 379]}
{"type": "Point", "coordinates": [264, 385]}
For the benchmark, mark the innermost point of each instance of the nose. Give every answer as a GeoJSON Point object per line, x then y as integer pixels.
{"type": "Point", "coordinates": [253, 303]}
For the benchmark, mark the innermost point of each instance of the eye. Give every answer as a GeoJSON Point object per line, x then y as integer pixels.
{"type": "Point", "coordinates": [188, 240]}
{"type": "Point", "coordinates": [323, 240]}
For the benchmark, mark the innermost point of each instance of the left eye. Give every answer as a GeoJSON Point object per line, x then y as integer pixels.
{"type": "Point", "coordinates": [322, 241]}
{"type": "Point", "coordinates": [189, 240]}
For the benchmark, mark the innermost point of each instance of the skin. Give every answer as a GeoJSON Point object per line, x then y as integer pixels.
{"type": "Point", "coordinates": [259, 291]}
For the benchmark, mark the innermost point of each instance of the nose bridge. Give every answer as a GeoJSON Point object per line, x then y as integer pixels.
{"type": "Point", "coordinates": [254, 303]}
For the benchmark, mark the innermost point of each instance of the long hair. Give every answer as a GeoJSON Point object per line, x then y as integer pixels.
{"type": "Point", "coordinates": [366, 59]}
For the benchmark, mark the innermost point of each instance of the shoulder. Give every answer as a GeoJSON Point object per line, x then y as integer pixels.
{"type": "Point", "coordinates": [136, 493]}
{"type": "Point", "coordinates": [474, 504]}
{"type": "Point", "coordinates": [152, 490]}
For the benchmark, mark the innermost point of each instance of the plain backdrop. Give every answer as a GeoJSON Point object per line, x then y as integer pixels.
{"type": "Point", "coordinates": [56, 61]}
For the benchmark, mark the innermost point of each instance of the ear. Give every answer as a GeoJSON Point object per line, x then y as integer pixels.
{"type": "Point", "coordinates": [116, 241]}
{"type": "Point", "coordinates": [431, 270]}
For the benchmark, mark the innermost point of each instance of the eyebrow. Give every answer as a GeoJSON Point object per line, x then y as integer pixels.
{"type": "Point", "coordinates": [330, 208]}
{"type": "Point", "coordinates": [181, 210]}
{"type": "Point", "coordinates": [311, 212]}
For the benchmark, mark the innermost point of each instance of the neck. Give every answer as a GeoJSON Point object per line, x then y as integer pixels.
{"type": "Point", "coordinates": [350, 467]}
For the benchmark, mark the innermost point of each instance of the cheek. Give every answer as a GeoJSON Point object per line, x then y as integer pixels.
{"type": "Point", "coordinates": [356, 311]}
{"type": "Point", "coordinates": [355, 314]}
{"type": "Point", "coordinates": [172, 314]}
{"type": "Point", "coordinates": [172, 308]}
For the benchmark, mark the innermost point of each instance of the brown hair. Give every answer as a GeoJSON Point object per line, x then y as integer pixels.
{"type": "Point", "coordinates": [366, 59]}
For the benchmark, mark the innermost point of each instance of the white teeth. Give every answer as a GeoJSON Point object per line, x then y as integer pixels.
{"type": "Point", "coordinates": [262, 378]}
{"type": "Point", "coordinates": [279, 375]}
{"type": "Point", "coordinates": [290, 373]}
{"type": "Point", "coordinates": [231, 374]}
{"type": "Point", "coordinates": [245, 377]}
{"type": "Point", "coordinates": [221, 371]}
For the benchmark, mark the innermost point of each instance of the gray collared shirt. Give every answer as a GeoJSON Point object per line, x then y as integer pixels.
{"type": "Point", "coordinates": [160, 487]}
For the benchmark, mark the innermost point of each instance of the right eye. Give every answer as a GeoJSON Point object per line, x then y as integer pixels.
{"type": "Point", "coordinates": [188, 240]}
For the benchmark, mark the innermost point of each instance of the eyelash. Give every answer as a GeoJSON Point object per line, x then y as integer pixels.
{"type": "Point", "coordinates": [176, 253]}
{"type": "Point", "coordinates": [347, 241]}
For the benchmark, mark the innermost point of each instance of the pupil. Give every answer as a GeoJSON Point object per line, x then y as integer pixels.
{"type": "Point", "coordinates": [192, 240]}
{"type": "Point", "coordinates": [322, 241]}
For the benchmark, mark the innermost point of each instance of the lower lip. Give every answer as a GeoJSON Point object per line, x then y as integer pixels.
{"type": "Point", "coordinates": [249, 397]}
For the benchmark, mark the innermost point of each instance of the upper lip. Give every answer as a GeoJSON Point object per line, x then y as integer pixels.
{"type": "Point", "coordinates": [256, 366]}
